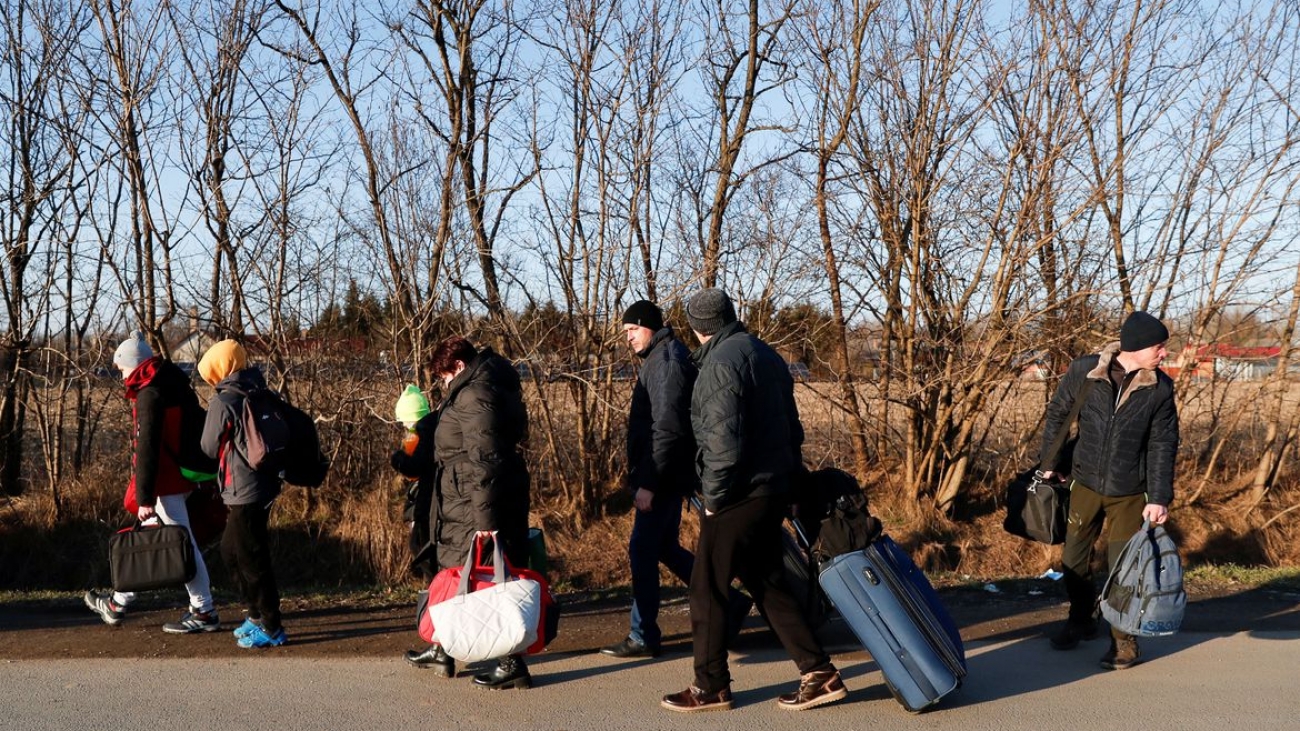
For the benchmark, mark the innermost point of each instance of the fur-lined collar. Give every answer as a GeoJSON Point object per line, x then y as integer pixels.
{"type": "Point", "coordinates": [1145, 377]}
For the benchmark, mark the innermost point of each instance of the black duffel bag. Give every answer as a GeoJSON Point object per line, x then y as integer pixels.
{"type": "Point", "coordinates": [145, 557]}
{"type": "Point", "coordinates": [1037, 508]}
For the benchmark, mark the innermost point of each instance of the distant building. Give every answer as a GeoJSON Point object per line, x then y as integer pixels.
{"type": "Point", "coordinates": [191, 348]}
{"type": "Point", "coordinates": [1231, 362]}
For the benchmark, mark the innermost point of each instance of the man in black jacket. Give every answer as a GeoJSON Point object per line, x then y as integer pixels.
{"type": "Point", "coordinates": [1123, 467]}
{"type": "Point", "coordinates": [749, 442]}
{"type": "Point", "coordinates": [660, 469]}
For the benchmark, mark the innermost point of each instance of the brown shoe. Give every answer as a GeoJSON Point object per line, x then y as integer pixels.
{"type": "Point", "coordinates": [815, 689]}
{"type": "Point", "coordinates": [693, 699]}
{"type": "Point", "coordinates": [1123, 653]}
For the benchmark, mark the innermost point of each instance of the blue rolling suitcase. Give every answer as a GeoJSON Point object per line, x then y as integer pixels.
{"type": "Point", "coordinates": [897, 616]}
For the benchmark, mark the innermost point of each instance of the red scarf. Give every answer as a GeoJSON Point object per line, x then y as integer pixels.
{"type": "Point", "coordinates": [142, 376]}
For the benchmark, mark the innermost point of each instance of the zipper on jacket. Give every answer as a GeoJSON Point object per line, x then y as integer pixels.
{"type": "Point", "coordinates": [1110, 420]}
{"type": "Point", "coordinates": [1110, 423]}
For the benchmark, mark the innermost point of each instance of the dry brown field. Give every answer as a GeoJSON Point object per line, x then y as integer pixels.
{"type": "Point", "coordinates": [349, 530]}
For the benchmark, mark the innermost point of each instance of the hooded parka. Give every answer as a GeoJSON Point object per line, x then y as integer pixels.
{"type": "Point", "coordinates": [483, 482]}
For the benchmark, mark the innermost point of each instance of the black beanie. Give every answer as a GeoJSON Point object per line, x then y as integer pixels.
{"type": "Point", "coordinates": [1141, 331]}
{"type": "Point", "coordinates": [710, 310]}
{"type": "Point", "coordinates": [644, 313]}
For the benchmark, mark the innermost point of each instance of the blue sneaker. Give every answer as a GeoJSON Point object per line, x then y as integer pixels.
{"type": "Point", "coordinates": [259, 637]}
{"type": "Point", "coordinates": [245, 629]}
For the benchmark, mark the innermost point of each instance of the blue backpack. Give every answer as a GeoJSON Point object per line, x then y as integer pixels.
{"type": "Point", "coordinates": [1144, 594]}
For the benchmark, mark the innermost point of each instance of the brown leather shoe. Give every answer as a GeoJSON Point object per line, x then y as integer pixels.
{"type": "Point", "coordinates": [815, 689]}
{"type": "Point", "coordinates": [693, 699]}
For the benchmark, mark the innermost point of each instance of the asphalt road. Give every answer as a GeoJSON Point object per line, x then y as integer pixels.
{"type": "Point", "coordinates": [1196, 681]}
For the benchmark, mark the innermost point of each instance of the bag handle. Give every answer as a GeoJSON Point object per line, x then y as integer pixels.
{"type": "Point", "coordinates": [1063, 433]}
{"type": "Point", "coordinates": [473, 563]}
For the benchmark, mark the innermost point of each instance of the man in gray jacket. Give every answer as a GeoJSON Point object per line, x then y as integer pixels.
{"type": "Point", "coordinates": [1123, 465]}
{"type": "Point", "coordinates": [749, 444]}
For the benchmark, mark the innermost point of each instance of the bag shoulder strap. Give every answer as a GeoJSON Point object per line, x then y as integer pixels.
{"type": "Point", "coordinates": [1063, 433]}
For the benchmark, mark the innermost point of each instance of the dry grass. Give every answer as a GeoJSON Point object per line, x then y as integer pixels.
{"type": "Point", "coordinates": [349, 531]}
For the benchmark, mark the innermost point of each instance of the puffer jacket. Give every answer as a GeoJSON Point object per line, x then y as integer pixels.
{"type": "Point", "coordinates": [421, 466]}
{"type": "Point", "coordinates": [745, 420]}
{"type": "Point", "coordinates": [660, 444]}
{"type": "Point", "coordinates": [483, 481]}
{"type": "Point", "coordinates": [159, 392]}
{"type": "Point", "coordinates": [223, 440]}
{"type": "Point", "coordinates": [1127, 445]}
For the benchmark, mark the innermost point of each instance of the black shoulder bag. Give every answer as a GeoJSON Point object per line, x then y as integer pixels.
{"type": "Point", "coordinates": [1037, 507]}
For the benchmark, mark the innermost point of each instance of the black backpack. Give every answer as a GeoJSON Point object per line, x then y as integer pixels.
{"type": "Point", "coordinates": [832, 509]}
{"type": "Point", "coordinates": [847, 528]}
{"type": "Point", "coordinates": [282, 438]}
{"type": "Point", "coordinates": [305, 463]}
{"type": "Point", "coordinates": [195, 466]}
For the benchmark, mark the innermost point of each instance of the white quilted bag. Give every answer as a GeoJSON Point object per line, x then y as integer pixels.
{"type": "Point", "coordinates": [492, 622]}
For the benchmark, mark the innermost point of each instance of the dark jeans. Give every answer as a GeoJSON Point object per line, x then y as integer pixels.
{"type": "Point", "coordinates": [744, 541]}
{"type": "Point", "coordinates": [1088, 510]}
{"type": "Point", "coordinates": [246, 549]}
{"type": "Point", "coordinates": [654, 541]}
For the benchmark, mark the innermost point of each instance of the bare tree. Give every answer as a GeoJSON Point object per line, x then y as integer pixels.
{"type": "Point", "coordinates": [39, 137]}
{"type": "Point", "coordinates": [836, 43]}
{"type": "Point", "coordinates": [745, 58]}
{"type": "Point", "coordinates": [213, 41]}
{"type": "Point", "coordinates": [356, 67]}
{"type": "Point", "coordinates": [466, 53]}
{"type": "Point", "coordinates": [131, 64]}
{"type": "Point", "coordinates": [652, 45]}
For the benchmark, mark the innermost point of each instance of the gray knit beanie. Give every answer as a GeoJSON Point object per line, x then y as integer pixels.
{"type": "Point", "coordinates": [132, 352]}
{"type": "Point", "coordinates": [710, 310]}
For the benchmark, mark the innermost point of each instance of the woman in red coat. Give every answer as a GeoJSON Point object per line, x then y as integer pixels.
{"type": "Point", "coordinates": [160, 393]}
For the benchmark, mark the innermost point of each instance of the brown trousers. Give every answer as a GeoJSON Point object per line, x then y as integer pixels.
{"type": "Point", "coordinates": [1088, 510]}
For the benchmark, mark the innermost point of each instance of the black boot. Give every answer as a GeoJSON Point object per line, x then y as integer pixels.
{"type": "Point", "coordinates": [433, 659]}
{"type": "Point", "coordinates": [510, 672]}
